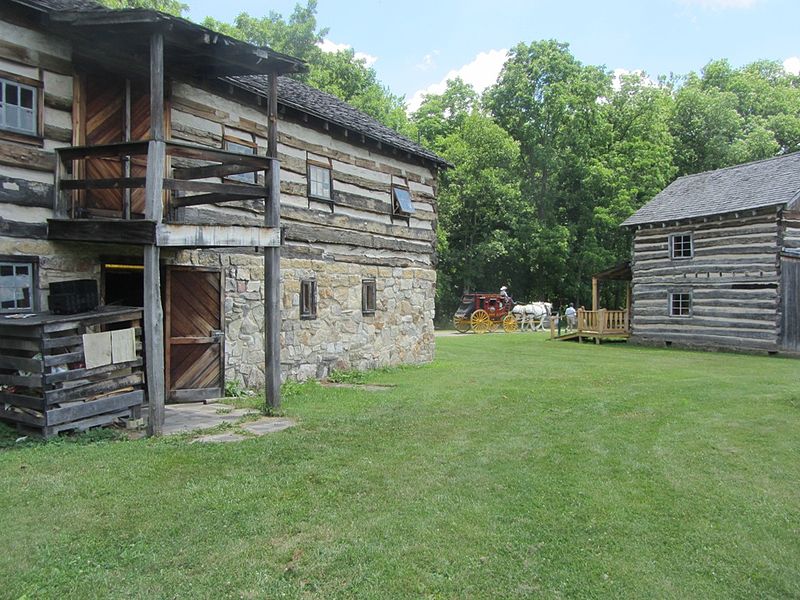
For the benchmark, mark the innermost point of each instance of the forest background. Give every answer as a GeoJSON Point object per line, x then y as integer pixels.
{"type": "Point", "coordinates": [552, 158]}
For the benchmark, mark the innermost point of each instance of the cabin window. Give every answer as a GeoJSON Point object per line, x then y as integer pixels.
{"type": "Point", "coordinates": [369, 296]}
{"type": "Point", "coordinates": [308, 299]}
{"type": "Point", "coordinates": [680, 245]}
{"type": "Point", "coordinates": [18, 281]}
{"type": "Point", "coordinates": [241, 146]}
{"type": "Point", "coordinates": [680, 304]}
{"type": "Point", "coordinates": [320, 185]}
{"type": "Point", "coordinates": [402, 206]}
{"type": "Point", "coordinates": [19, 106]}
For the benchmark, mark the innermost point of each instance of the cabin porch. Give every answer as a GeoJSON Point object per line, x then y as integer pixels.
{"type": "Point", "coordinates": [600, 323]}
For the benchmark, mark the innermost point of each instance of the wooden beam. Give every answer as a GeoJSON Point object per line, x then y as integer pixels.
{"type": "Point", "coordinates": [113, 231]}
{"type": "Point", "coordinates": [154, 340]}
{"type": "Point", "coordinates": [595, 294]}
{"type": "Point", "coordinates": [208, 199]}
{"type": "Point", "coordinates": [157, 86]}
{"type": "Point", "coordinates": [272, 260]}
{"type": "Point", "coordinates": [216, 236]}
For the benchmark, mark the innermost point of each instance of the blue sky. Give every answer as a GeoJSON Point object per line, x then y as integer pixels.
{"type": "Point", "coordinates": [414, 44]}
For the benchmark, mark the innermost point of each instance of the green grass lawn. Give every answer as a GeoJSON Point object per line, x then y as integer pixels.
{"type": "Point", "coordinates": [511, 467]}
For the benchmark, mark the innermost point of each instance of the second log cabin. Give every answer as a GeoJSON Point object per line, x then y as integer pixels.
{"type": "Point", "coordinates": [716, 260]}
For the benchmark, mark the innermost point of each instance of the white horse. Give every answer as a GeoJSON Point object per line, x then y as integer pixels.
{"type": "Point", "coordinates": [532, 314]}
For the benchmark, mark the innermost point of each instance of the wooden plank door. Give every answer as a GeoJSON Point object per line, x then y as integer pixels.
{"type": "Point", "coordinates": [116, 110]}
{"type": "Point", "coordinates": [104, 123]}
{"type": "Point", "coordinates": [790, 301]}
{"type": "Point", "coordinates": [194, 339]}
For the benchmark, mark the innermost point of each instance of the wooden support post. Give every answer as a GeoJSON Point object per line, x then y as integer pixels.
{"type": "Point", "coordinates": [153, 340]}
{"type": "Point", "coordinates": [154, 208]}
{"type": "Point", "coordinates": [595, 294]}
{"type": "Point", "coordinates": [272, 260]}
{"type": "Point", "coordinates": [59, 201]}
{"type": "Point", "coordinates": [628, 307]}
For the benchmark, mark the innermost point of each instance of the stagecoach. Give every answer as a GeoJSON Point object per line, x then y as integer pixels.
{"type": "Point", "coordinates": [483, 312]}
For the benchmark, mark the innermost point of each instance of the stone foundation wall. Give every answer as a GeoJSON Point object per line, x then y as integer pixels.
{"type": "Point", "coordinates": [341, 337]}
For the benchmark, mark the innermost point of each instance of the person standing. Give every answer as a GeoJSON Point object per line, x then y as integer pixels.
{"type": "Point", "coordinates": [572, 316]}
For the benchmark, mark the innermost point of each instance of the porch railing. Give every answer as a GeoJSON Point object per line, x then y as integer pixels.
{"type": "Point", "coordinates": [601, 323]}
{"type": "Point", "coordinates": [178, 186]}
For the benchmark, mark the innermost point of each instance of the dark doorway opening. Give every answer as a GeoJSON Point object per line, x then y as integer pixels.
{"type": "Point", "coordinates": [123, 284]}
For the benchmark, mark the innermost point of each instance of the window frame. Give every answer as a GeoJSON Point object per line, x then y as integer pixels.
{"type": "Point", "coordinates": [369, 296]}
{"type": "Point", "coordinates": [36, 86]}
{"type": "Point", "coordinates": [316, 164]}
{"type": "Point", "coordinates": [33, 262]}
{"type": "Point", "coordinates": [397, 211]}
{"type": "Point", "coordinates": [308, 295]}
{"type": "Point", "coordinates": [250, 177]}
{"type": "Point", "coordinates": [671, 304]}
{"type": "Point", "coordinates": [672, 239]}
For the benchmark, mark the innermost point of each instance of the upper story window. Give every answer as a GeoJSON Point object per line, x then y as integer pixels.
{"type": "Point", "coordinates": [17, 284]}
{"type": "Point", "coordinates": [19, 106]}
{"type": "Point", "coordinates": [320, 184]}
{"type": "Point", "coordinates": [369, 296]}
{"type": "Point", "coordinates": [308, 299]}
{"type": "Point", "coordinates": [241, 146]}
{"type": "Point", "coordinates": [680, 245]}
{"type": "Point", "coordinates": [402, 206]}
{"type": "Point", "coordinates": [680, 304]}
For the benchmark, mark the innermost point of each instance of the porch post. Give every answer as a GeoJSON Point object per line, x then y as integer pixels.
{"type": "Point", "coordinates": [595, 294]}
{"type": "Point", "coordinates": [272, 260]}
{"type": "Point", "coordinates": [154, 185]}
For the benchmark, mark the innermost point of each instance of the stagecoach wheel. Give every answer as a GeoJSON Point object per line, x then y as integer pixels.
{"type": "Point", "coordinates": [461, 324]}
{"type": "Point", "coordinates": [480, 321]}
{"type": "Point", "coordinates": [510, 324]}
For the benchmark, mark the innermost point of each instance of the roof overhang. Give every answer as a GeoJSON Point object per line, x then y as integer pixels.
{"type": "Point", "coordinates": [619, 272]}
{"type": "Point", "coordinates": [188, 47]}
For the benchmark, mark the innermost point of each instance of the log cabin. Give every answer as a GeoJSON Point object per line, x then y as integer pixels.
{"type": "Point", "coordinates": [266, 229]}
{"type": "Point", "coordinates": [716, 260]}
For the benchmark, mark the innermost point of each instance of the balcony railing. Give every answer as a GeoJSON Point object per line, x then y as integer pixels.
{"type": "Point", "coordinates": [134, 192]}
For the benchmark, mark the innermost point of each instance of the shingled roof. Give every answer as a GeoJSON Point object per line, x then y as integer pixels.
{"type": "Point", "coordinates": [62, 5]}
{"type": "Point", "coordinates": [302, 97]}
{"type": "Point", "coordinates": [770, 182]}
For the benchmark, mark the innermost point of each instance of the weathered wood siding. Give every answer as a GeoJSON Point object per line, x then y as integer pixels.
{"type": "Point", "coordinates": [790, 222]}
{"type": "Point", "coordinates": [733, 278]}
{"type": "Point", "coordinates": [26, 167]}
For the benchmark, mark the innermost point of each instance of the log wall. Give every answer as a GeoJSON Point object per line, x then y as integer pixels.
{"type": "Point", "coordinates": [733, 278]}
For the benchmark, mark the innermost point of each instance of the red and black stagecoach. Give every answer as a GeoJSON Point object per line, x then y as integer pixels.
{"type": "Point", "coordinates": [482, 312]}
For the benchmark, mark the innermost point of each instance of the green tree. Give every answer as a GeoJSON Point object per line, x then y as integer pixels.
{"type": "Point", "coordinates": [173, 7]}
{"type": "Point", "coordinates": [480, 209]}
{"type": "Point", "coordinates": [338, 73]}
{"type": "Point", "coordinates": [439, 115]}
{"type": "Point", "coordinates": [726, 116]}
{"type": "Point", "coordinates": [298, 37]}
{"type": "Point", "coordinates": [551, 104]}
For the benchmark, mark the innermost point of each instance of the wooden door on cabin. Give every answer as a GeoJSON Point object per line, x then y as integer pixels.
{"type": "Point", "coordinates": [790, 303]}
{"type": "Point", "coordinates": [194, 334]}
{"type": "Point", "coordinates": [115, 110]}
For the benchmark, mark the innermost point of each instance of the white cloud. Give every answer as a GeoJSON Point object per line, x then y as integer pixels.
{"type": "Point", "coordinates": [327, 45]}
{"type": "Point", "coordinates": [720, 4]}
{"type": "Point", "coordinates": [792, 65]}
{"type": "Point", "coordinates": [480, 74]}
{"type": "Point", "coordinates": [616, 81]}
{"type": "Point", "coordinates": [428, 61]}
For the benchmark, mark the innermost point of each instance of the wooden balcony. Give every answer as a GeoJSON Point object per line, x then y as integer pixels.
{"type": "Point", "coordinates": [130, 193]}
